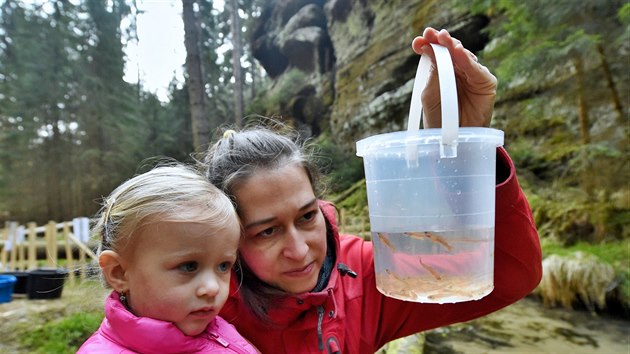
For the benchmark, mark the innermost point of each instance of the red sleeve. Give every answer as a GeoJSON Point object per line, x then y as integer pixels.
{"type": "Point", "coordinates": [518, 270]}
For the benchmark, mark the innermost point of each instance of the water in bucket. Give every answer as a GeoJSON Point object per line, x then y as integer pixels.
{"type": "Point", "coordinates": [431, 203]}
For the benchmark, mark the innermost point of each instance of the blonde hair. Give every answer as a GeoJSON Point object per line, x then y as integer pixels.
{"type": "Point", "coordinates": [172, 193]}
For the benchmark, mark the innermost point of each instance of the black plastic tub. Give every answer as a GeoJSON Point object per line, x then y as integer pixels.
{"type": "Point", "coordinates": [46, 283]}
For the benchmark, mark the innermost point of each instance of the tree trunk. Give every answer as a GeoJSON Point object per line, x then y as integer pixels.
{"type": "Point", "coordinates": [194, 79]}
{"type": "Point", "coordinates": [252, 68]}
{"type": "Point", "coordinates": [236, 61]}
{"type": "Point", "coordinates": [582, 107]}
{"type": "Point", "coordinates": [54, 164]}
{"type": "Point", "coordinates": [611, 86]}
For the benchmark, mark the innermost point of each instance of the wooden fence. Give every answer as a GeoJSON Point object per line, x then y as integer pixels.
{"type": "Point", "coordinates": [26, 247]}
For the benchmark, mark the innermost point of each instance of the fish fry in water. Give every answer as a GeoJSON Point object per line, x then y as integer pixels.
{"type": "Point", "coordinates": [389, 272]}
{"type": "Point", "coordinates": [430, 269]}
{"type": "Point", "coordinates": [430, 236]}
{"type": "Point", "coordinates": [385, 240]}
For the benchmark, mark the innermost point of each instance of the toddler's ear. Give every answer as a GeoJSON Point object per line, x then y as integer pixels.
{"type": "Point", "coordinates": [113, 270]}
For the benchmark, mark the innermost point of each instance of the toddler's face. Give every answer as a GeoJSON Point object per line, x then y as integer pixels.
{"type": "Point", "coordinates": [180, 272]}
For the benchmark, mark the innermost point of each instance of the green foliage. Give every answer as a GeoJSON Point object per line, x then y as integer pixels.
{"type": "Point", "coordinates": [624, 16]}
{"type": "Point", "coordinates": [353, 210]}
{"type": "Point", "coordinates": [573, 215]}
{"type": "Point", "coordinates": [356, 200]}
{"type": "Point", "coordinates": [62, 336]}
{"type": "Point", "coordinates": [291, 83]}
{"type": "Point", "coordinates": [70, 128]}
{"type": "Point", "coordinates": [586, 155]}
{"type": "Point", "coordinates": [278, 99]}
{"type": "Point", "coordinates": [614, 253]}
{"type": "Point", "coordinates": [341, 168]}
{"type": "Point", "coordinates": [557, 109]}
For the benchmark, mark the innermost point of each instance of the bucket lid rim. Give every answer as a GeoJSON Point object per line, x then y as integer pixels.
{"type": "Point", "coordinates": [426, 137]}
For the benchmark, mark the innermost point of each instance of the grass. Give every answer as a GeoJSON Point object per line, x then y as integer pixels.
{"type": "Point", "coordinates": [62, 336]}
{"type": "Point", "coordinates": [53, 325]}
{"type": "Point", "coordinates": [616, 254]}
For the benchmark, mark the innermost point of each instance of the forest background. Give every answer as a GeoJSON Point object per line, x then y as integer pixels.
{"type": "Point", "coordinates": [71, 129]}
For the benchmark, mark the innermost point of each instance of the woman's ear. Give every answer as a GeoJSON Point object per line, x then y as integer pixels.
{"type": "Point", "coordinates": [113, 270]}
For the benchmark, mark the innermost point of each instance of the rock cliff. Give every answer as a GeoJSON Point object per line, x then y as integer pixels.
{"type": "Point", "coordinates": [346, 66]}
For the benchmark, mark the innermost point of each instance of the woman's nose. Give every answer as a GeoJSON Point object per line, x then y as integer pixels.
{"type": "Point", "coordinates": [295, 245]}
{"type": "Point", "coordinates": [209, 285]}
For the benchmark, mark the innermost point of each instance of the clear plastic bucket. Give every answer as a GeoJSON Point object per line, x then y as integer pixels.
{"type": "Point", "coordinates": [432, 208]}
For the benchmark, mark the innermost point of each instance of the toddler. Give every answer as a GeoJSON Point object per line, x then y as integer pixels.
{"type": "Point", "coordinates": [168, 242]}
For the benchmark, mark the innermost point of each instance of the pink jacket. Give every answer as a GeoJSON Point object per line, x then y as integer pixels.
{"type": "Point", "coordinates": [351, 316]}
{"type": "Point", "coordinates": [123, 332]}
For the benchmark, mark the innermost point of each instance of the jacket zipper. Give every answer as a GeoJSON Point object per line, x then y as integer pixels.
{"type": "Point", "coordinates": [226, 344]}
{"type": "Point", "coordinates": [320, 320]}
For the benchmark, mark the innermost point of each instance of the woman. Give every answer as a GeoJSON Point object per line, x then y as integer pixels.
{"type": "Point", "coordinates": [304, 288]}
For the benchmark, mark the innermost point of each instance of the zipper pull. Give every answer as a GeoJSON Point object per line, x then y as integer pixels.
{"type": "Point", "coordinates": [344, 269]}
{"type": "Point", "coordinates": [218, 339]}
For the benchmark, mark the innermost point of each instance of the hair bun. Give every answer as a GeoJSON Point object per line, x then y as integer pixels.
{"type": "Point", "coordinates": [228, 133]}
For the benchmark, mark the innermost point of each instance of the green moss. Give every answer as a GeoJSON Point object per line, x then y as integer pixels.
{"type": "Point", "coordinates": [276, 100]}
{"type": "Point", "coordinates": [291, 83]}
{"type": "Point", "coordinates": [357, 200]}
{"type": "Point", "coordinates": [62, 336]}
{"type": "Point", "coordinates": [353, 209]}
{"type": "Point", "coordinates": [341, 168]}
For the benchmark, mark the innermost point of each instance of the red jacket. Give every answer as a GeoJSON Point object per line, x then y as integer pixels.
{"type": "Point", "coordinates": [351, 316]}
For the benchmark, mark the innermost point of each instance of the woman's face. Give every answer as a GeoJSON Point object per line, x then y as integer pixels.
{"type": "Point", "coordinates": [285, 231]}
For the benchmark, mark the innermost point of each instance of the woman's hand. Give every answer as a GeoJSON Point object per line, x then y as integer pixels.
{"type": "Point", "coordinates": [476, 86]}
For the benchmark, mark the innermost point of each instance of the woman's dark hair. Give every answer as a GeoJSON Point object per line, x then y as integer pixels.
{"type": "Point", "coordinates": [239, 155]}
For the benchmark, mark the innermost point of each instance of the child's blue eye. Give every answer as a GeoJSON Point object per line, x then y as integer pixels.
{"type": "Point", "coordinates": [188, 267]}
{"type": "Point", "coordinates": [225, 267]}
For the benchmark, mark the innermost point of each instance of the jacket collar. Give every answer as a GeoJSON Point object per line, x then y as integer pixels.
{"type": "Point", "coordinates": [147, 335]}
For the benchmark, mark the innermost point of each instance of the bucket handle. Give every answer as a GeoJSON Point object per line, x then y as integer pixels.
{"type": "Point", "coordinates": [448, 95]}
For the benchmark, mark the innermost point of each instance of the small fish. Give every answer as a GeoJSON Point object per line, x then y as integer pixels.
{"type": "Point", "coordinates": [430, 236]}
{"type": "Point", "coordinates": [430, 269]}
{"type": "Point", "coordinates": [385, 240]}
{"type": "Point", "coordinates": [454, 293]}
{"type": "Point", "coordinates": [389, 272]}
{"type": "Point", "coordinates": [438, 296]}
